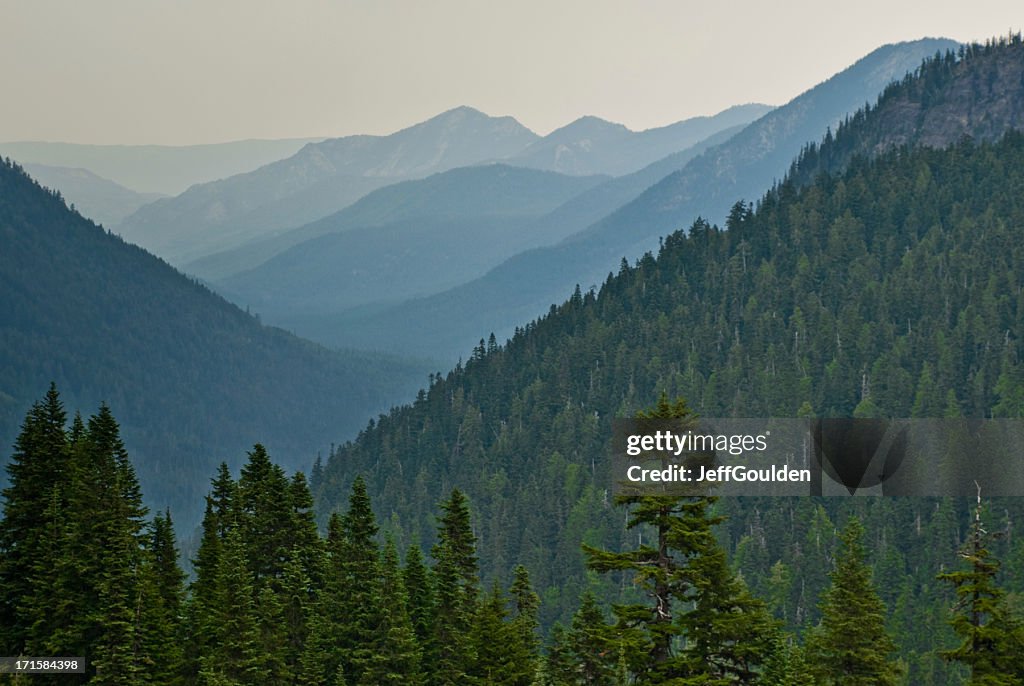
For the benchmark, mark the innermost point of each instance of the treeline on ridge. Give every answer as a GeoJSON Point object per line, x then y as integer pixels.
{"type": "Point", "coordinates": [83, 574]}
{"type": "Point", "coordinates": [892, 289]}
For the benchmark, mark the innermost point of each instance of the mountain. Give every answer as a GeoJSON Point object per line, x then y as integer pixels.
{"type": "Point", "coordinates": [324, 324]}
{"type": "Point", "coordinates": [97, 198]}
{"type": "Point", "coordinates": [194, 379]}
{"type": "Point", "coordinates": [163, 169]}
{"type": "Point", "coordinates": [406, 240]}
{"type": "Point", "coordinates": [575, 215]}
{"type": "Point", "coordinates": [526, 285]}
{"type": "Point", "coordinates": [318, 180]}
{"type": "Point", "coordinates": [591, 145]}
{"type": "Point", "coordinates": [889, 290]}
{"type": "Point", "coordinates": [972, 93]}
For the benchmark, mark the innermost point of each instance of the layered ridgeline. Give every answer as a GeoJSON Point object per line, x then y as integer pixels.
{"type": "Point", "coordinates": [318, 180]}
{"type": "Point", "coordinates": [406, 240]}
{"type": "Point", "coordinates": [193, 379]}
{"type": "Point", "coordinates": [95, 197]}
{"type": "Point", "coordinates": [596, 149]}
{"type": "Point", "coordinates": [420, 237]}
{"type": "Point", "coordinates": [891, 289]}
{"type": "Point", "coordinates": [591, 145]}
{"type": "Point", "coordinates": [164, 169]}
{"type": "Point", "coordinates": [745, 166]}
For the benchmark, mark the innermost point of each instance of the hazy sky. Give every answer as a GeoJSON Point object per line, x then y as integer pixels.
{"type": "Point", "coordinates": [197, 71]}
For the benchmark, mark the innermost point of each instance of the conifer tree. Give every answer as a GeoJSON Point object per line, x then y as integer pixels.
{"type": "Point", "coordinates": [110, 519]}
{"type": "Point", "coordinates": [590, 648]}
{"type": "Point", "coordinates": [419, 588]}
{"type": "Point", "coordinates": [160, 606]}
{"type": "Point", "coordinates": [523, 645]}
{"type": "Point", "coordinates": [850, 647]}
{"type": "Point", "coordinates": [233, 657]}
{"type": "Point", "coordinates": [694, 593]}
{"type": "Point", "coordinates": [202, 616]}
{"type": "Point", "coordinates": [396, 642]}
{"type": "Point", "coordinates": [360, 572]}
{"type": "Point", "coordinates": [264, 513]}
{"type": "Point", "coordinates": [992, 639]}
{"type": "Point", "coordinates": [457, 588]}
{"type": "Point", "coordinates": [38, 482]}
{"type": "Point", "coordinates": [324, 652]}
{"type": "Point", "coordinates": [786, 665]}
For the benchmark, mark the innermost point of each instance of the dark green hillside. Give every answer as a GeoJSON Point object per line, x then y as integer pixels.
{"type": "Point", "coordinates": [895, 288]}
{"type": "Point", "coordinates": [743, 167]}
{"type": "Point", "coordinates": [194, 379]}
{"type": "Point", "coordinates": [976, 92]}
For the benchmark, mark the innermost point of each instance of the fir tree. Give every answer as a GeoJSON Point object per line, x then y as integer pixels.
{"type": "Point", "coordinates": [992, 639]}
{"type": "Point", "coordinates": [359, 567]}
{"type": "Point", "coordinates": [850, 647]}
{"type": "Point", "coordinates": [38, 482]}
{"type": "Point", "coordinates": [419, 588]}
{"type": "Point", "coordinates": [724, 626]}
{"type": "Point", "coordinates": [395, 643]}
{"type": "Point", "coordinates": [457, 590]}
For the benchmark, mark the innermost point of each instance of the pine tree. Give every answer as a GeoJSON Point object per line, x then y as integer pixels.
{"type": "Point", "coordinates": [160, 607]}
{"type": "Point", "coordinates": [233, 656]}
{"type": "Point", "coordinates": [361, 618]}
{"type": "Point", "coordinates": [202, 615]}
{"type": "Point", "coordinates": [264, 511]}
{"type": "Point", "coordinates": [108, 508]}
{"type": "Point", "coordinates": [38, 482]}
{"type": "Point", "coordinates": [396, 643]}
{"type": "Point", "coordinates": [992, 638]}
{"type": "Point", "coordinates": [590, 647]}
{"type": "Point", "coordinates": [419, 588]}
{"type": "Point", "coordinates": [786, 665]}
{"type": "Point", "coordinates": [457, 589]}
{"type": "Point", "coordinates": [850, 647]}
{"type": "Point", "coordinates": [523, 644]}
{"type": "Point", "coordinates": [694, 593]}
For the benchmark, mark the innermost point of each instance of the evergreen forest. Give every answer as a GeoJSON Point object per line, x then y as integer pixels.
{"type": "Point", "coordinates": [471, 537]}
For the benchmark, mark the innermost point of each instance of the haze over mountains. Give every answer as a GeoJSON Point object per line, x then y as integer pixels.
{"type": "Point", "coordinates": [591, 145]}
{"type": "Point", "coordinates": [339, 277]}
{"type": "Point", "coordinates": [164, 169]}
{"type": "Point", "coordinates": [318, 180]}
{"type": "Point", "coordinates": [409, 239]}
{"type": "Point", "coordinates": [526, 285]}
{"type": "Point", "coordinates": [194, 379]}
{"type": "Point", "coordinates": [97, 198]}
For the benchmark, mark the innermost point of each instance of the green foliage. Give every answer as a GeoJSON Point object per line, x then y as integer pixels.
{"type": "Point", "coordinates": [93, 582]}
{"type": "Point", "coordinates": [189, 375]}
{"type": "Point", "coordinates": [992, 637]}
{"type": "Point", "coordinates": [850, 647]}
{"type": "Point", "coordinates": [457, 586]}
{"type": "Point", "coordinates": [695, 598]}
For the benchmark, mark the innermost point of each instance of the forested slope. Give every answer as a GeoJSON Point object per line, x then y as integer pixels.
{"type": "Point", "coordinates": [894, 288]}
{"type": "Point", "coordinates": [193, 379]}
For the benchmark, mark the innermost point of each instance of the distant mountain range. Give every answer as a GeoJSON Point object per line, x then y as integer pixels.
{"type": "Point", "coordinates": [163, 169]}
{"type": "Point", "coordinates": [527, 284]}
{"type": "Point", "coordinates": [193, 379]}
{"type": "Point", "coordinates": [320, 179]}
{"type": "Point", "coordinates": [407, 240]}
{"type": "Point", "coordinates": [591, 145]}
{"type": "Point", "coordinates": [99, 199]}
